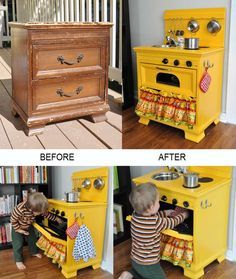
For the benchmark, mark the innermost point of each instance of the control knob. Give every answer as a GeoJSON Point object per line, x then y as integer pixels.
{"type": "Point", "coordinates": [62, 213]}
{"type": "Point", "coordinates": [174, 201]}
{"type": "Point", "coordinates": [189, 63]}
{"type": "Point", "coordinates": [53, 210]}
{"type": "Point", "coordinates": [186, 204]}
{"type": "Point", "coordinates": [164, 198]}
{"type": "Point", "coordinates": [165, 61]}
{"type": "Point", "coordinates": [57, 211]}
{"type": "Point", "coordinates": [176, 62]}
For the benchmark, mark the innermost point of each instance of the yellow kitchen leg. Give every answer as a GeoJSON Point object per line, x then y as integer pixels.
{"type": "Point", "coordinates": [68, 274]}
{"type": "Point", "coordinates": [194, 137]}
{"type": "Point", "coordinates": [193, 274]}
{"type": "Point", "coordinates": [96, 266]}
{"type": "Point", "coordinates": [144, 121]}
{"type": "Point", "coordinates": [216, 121]}
{"type": "Point", "coordinates": [221, 258]}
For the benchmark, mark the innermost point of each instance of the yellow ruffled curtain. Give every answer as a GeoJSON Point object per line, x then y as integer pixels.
{"type": "Point", "coordinates": [53, 250]}
{"type": "Point", "coordinates": [167, 106]}
{"type": "Point", "coordinates": [176, 251]}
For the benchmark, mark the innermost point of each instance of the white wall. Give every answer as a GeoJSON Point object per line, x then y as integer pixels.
{"type": "Point", "coordinates": [138, 171]}
{"type": "Point", "coordinates": [61, 177]}
{"type": "Point", "coordinates": [231, 99]}
{"type": "Point", "coordinates": [147, 26]}
{"type": "Point", "coordinates": [231, 252]}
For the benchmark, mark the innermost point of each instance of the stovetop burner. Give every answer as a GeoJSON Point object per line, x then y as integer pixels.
{"type": "Point", "coordinates": [205, 179]}
{"type": "Point", "coordinates": [192, 187]}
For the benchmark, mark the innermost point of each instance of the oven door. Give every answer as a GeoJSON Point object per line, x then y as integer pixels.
{"type": "Point", "coordinates": [49, 234]}
{"type": "Point", "coordinates": [170, 79]}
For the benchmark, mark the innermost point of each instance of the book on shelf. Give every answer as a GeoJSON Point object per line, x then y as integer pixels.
{"type": "Point", "coordinates": [114, 223]}
{"type": "Point", "coordinates": [117, 209]}
{"type": "Point", "coordinates": [5, 233]}
{"type": "Point", "coordinates": [7, 203]}
{"type": "Point", "coordinates": [23, 174]}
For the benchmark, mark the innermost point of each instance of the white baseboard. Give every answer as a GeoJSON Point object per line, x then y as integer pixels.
{"type": "Point", "coordinates": [106, 265]}
{"type": "Point", "coordinates": [230, 256]}
{"type": "Point", "coordinates": [223, 118]}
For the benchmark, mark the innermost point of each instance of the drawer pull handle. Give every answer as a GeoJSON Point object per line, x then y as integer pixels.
{"type": "Point", "coordinates": [63, 61]}
{"type": "Point", "coordinates": [61, 92]}
{"type": "Point", "coordinates": [163, 69]}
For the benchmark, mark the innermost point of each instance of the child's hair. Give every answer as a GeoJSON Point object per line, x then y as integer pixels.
{"type": "Point", "coordinates": [37, 202]}
{"type": "Point", "coordinates": [143, 196]}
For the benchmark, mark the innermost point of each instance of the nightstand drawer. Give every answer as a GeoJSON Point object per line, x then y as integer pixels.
{"type": "Point", "coordinates": [56, 60]}
{"type": "Point", "coordinates": [62, 93]}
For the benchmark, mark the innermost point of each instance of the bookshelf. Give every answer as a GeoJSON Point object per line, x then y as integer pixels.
{"type": "Point", "coordinates": [121, 197]}
{"type": "Point", "coordinates": [15, 182]}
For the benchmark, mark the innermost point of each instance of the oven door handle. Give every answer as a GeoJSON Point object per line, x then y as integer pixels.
{"type": "Point", "coordinates": [164, 69]}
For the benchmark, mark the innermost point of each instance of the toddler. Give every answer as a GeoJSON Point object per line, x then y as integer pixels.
{"type": "Point", "coordinates": [22, 217]}
{"type": "Point", "coordinates": [146, 227]}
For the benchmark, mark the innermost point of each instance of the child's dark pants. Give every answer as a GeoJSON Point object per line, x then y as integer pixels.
{"type": "Point", "coordinates": [154, 271]}
{"type": "Point", "coordinates": [18, 242]}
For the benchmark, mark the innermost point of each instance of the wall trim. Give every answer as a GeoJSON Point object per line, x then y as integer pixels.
{"type": "Point", "coordinates": [230, 256]}
{"type": "Point", "coordinates": [231, 82]}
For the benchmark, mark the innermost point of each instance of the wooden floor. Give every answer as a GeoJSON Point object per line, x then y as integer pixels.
{"type": "Point", "coordinates": [80, 133]}
{"type": "Point", "coordinates": [160, 136]}
{"type": "Point", "coordinates": [41, 268]}
{"type": "Point", "coordinates": [224, 270]}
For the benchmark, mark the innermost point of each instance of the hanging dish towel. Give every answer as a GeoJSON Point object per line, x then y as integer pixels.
{"type": "Point", "coordinates": [83, 247]}
{"type": "Point", "coordinates": [205, 81]}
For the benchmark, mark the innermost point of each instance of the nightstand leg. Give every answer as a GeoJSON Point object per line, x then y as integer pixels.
{"type": "Point", "coordinates": [194, 137]}
{"type": "Point", "coordinates": [32, 131]}
{"type": "Point", "coordinates": [96, 266]}
{"type": "Point", "coordinates": [14, 112]}
{"type": "Point", "coordinates": [144, 121]}
{"type": "Point", "coordinates": [216, 121]}
{"type": "Point", "coordinates": [221, 258]}
{"type": "Point", "coordinates": [98, 117]}
{"type": "Point", "coordinates": [193, 274]}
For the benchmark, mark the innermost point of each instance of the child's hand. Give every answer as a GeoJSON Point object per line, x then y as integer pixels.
{"type": "Point", "coordinates": [59, 221]}
{"type": "Point", "coordinates": [170, 212]}
{"type": "Point", "coordinates": [186, 214]}
{"type": "Point", "coordinates": [22, 232]}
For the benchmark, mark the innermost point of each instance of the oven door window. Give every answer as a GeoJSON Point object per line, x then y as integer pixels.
{"type": "Point", "coordinates": [50, 234]}
{"type": "Point", "coordinates": [170, 79]}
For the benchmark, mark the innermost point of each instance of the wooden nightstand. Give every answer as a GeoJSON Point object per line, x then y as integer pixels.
{"type": "Point", "coordinates": [59, 72]}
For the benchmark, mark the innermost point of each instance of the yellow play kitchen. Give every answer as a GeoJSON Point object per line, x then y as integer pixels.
{"type": "Point", "coordinates": [202, 238]}
{"type": "Point", "coordinates": [180, 81]}
{"type": "Point", "coordinates": [77, 241]}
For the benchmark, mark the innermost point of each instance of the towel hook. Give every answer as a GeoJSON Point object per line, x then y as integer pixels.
{"type": "Point", "coordinates": [207, 64]}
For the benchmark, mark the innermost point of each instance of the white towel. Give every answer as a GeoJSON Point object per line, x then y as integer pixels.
{"type": "Point", "coordinates": [83, 247]}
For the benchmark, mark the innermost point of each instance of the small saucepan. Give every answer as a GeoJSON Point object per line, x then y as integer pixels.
{"type": "Point", "coordinates": [191, 179]}
{"type": "Point", "coordinates": [191, 43]}
{"type": "Point", "coordinates": [72, 196]}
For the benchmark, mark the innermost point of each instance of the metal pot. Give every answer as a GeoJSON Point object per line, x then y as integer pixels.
{"type": "Point", "coordinates": [213, 26]}
{"type": "Point", "coordinates": [193, 26]}
{"type": "Point", "coordinates": [191, 179]}
{"type": "Point", "coordinates": [191, 43]}
{"type": "Point", "coordinates": [99, 183]}
{"type": "Point", "coordinates": [72, 196]}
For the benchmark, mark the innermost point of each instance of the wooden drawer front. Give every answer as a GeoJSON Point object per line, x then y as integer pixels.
{"type": "Point", "coordinates": [58, 59]}
{"type": "Point", "coordinates": [170, 79]}
{"type": "Point", "coordinates": [51, 94]}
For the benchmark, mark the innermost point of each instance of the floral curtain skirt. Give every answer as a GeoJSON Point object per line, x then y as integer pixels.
{"type": "Point", "coordinates": [167, 106]}
{"type": "Point", "coordinates": [53, 250]}
{"type": "Point", "coordinates": [176, 251]}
